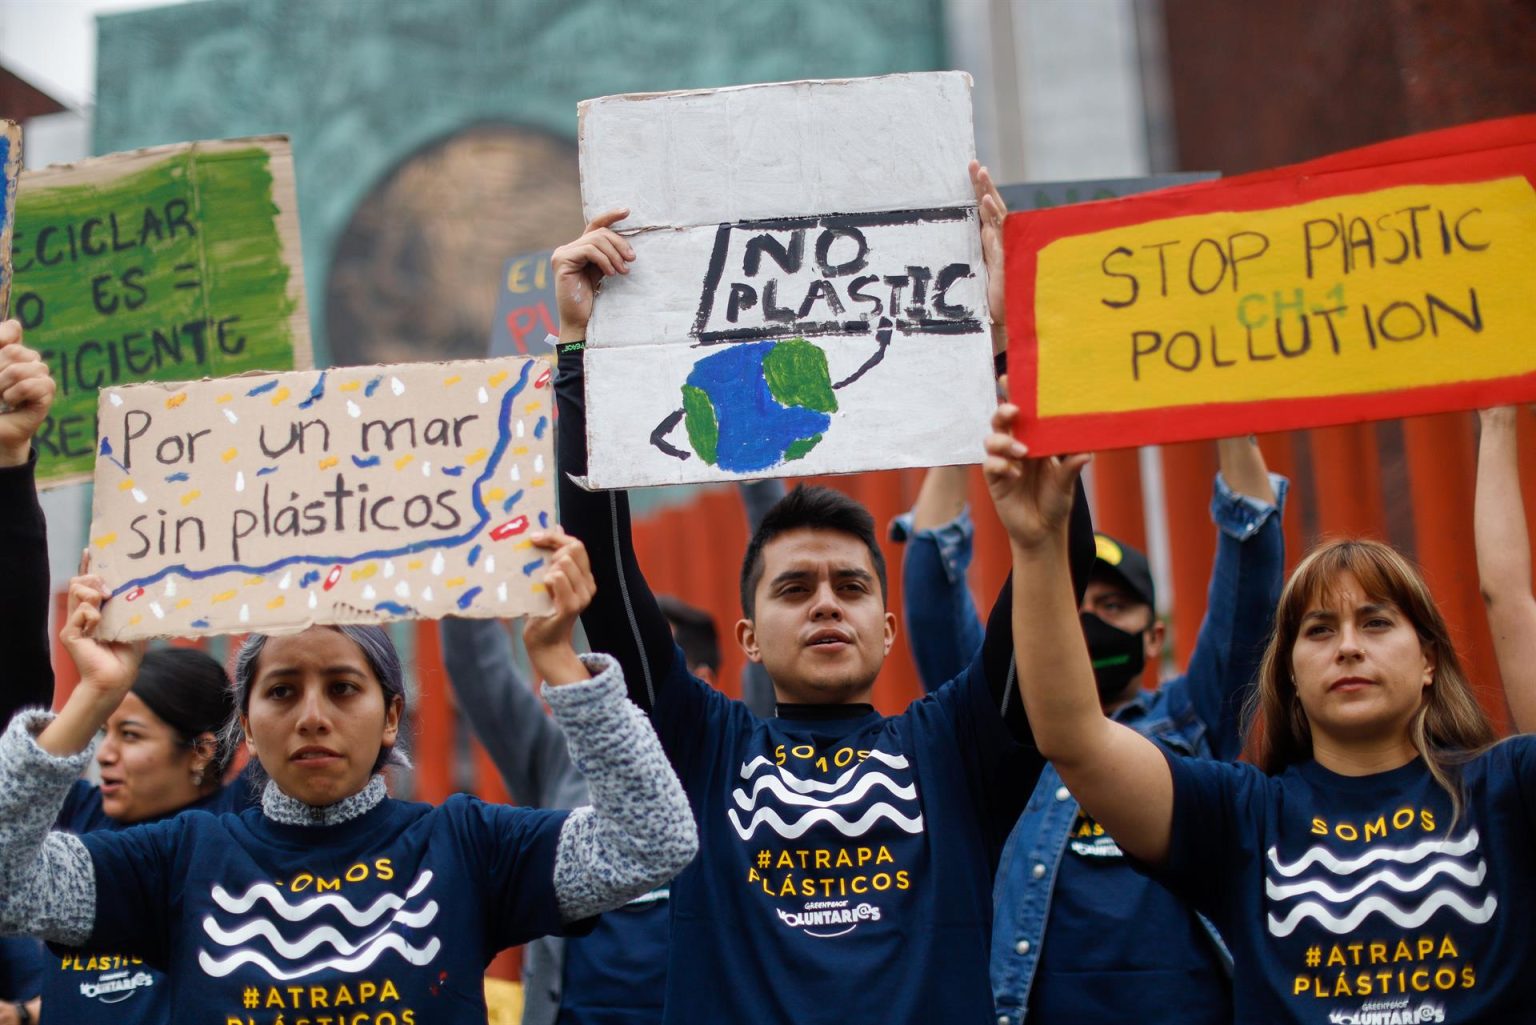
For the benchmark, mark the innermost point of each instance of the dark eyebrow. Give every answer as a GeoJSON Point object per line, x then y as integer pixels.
{"type": "Point", "coordinates": [136, 724]}
{"type": "Point", "coordinates": [854, 573]}
{"type": "Point", "coordinates": [331, 670]}
{"type": "Point", "coordinates": [790, 576]}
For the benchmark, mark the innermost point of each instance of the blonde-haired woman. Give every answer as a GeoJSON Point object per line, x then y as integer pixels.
{"type": "Point", "coordinates": [1376, 864]}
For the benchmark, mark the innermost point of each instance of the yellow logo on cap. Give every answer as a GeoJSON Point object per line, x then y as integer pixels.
{"type": "Point", "coordinates": [1106, 550]}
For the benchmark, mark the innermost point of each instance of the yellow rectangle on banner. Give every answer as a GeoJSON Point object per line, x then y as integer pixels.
{"type": "Point", "coordinates": [1398, 288]}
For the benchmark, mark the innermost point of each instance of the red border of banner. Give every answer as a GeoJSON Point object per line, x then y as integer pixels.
{"type": "Point", "coordinates": [1471, 153]}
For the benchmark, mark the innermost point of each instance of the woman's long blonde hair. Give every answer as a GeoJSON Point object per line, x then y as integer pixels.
{"type": "Point", "coordinates": [1450, 725]}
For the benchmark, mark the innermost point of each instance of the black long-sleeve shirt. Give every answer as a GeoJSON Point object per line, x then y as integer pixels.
{"type": "Point", "coordinates": [24, 594]}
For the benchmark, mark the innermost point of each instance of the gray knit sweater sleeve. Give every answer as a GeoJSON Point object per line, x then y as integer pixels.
{"type": "Point", "coordinates": [639, 830]}
{"type": "Point", "coordinates": [47, 882]}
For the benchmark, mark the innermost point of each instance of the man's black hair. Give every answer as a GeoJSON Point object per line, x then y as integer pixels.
{"type": "Point", "coordinates": [815, 508]}
{"type": "Point", "coordinates": [694, 630]}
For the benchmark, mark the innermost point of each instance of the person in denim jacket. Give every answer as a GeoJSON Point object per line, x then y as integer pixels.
{"type": "Point", "coordinates": [1078, 934]}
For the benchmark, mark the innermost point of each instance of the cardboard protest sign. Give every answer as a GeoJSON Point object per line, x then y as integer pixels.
{"type": "Point", "coordinates": [158, 265]}
{"type": "Point", "coordinates": [1386, 282]}
{"type": "Point", "coordinates": [526, 310]}
{"type": "Point", "coordinates": [808, 294]}
{"type": "Point", "coordinates": [273, 501]}
{"type": "Point", "coordinates": [10, 170]}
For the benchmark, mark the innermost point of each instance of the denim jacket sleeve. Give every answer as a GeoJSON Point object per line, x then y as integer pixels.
{"type": "Point", "coordinates": [1240, 607]}
{"type": "Point", "coordinates": [943, 627]}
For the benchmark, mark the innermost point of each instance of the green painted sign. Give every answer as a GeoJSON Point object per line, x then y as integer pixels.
{"type": "Point", "coordinates": [168, 264]}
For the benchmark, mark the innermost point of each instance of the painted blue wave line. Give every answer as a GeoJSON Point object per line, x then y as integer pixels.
{"type": "Point", "coordinates": [262, 388]}
{"type": "Point", "coordinates": [504, 438]}
{"type": "Point", "coordinates": [316, 393]}
{"type": "Point", "coordinates": [176, 478]}
{"type": "Point", "coordinates": [468, 597]}
{"type": "Point", "coordinates": [362, 463]}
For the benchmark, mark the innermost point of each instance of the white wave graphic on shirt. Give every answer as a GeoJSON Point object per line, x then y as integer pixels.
{"type": "Point", "coordinates": [1405, 885]}
{"type": "Point", "coordinates": [370, 932]}
{"type": "Point", "coordinates": [880, 788]}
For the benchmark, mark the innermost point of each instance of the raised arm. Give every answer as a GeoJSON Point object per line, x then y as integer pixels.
{"type": "Point", "coordinates": [26, 393]}
{"type": "Point", "coordinates": [527, 748]}
{"type": "Point", "coordinates": [1246, 577]}
{"type": "Point", "coordinates": [943, 627]}
{"type": "Point", "coordinates": [1118, 776]}
{"type": "Point", "coordinates": [623, 619]}
{"type": "Point", "coordinates": [47, 883]}
{"type": "Point", "coordinates": [1504, 563]}
{"type": "Point", "coordinates": [638, 831]}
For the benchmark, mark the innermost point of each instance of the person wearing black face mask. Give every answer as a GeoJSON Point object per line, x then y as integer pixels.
{"type": "Point", "coordinates": [1078, 933]}
{"type": "Point", "coordinates": [1120, 621]}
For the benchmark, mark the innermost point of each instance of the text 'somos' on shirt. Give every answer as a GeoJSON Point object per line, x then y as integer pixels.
{"type": "Point", "coordinates": [1365, 900]}
{"type": "Point", "coordinates": [389, 919]}
{"type": "Point", "coordinates": [846, 862]}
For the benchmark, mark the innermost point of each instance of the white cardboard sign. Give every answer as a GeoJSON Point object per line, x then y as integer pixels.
{"type": "Point", "coordinates": [808, 294]}
{"type": "Point", "coordinates": [271, 502]}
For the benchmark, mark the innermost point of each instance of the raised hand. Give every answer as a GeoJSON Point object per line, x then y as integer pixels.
{"type": "Point", "coordinates": [568, 580]}
{"type": "Point", "coordinates": [26, 394]}
{"type": "Point", "coordinates": [579, 268]}
{"type": "Point", "coordinates": [1033, 497]}
{"type": "Point", "coordinates": [992, 210]}
{"type": "Point", "coordinates": [108, 667]}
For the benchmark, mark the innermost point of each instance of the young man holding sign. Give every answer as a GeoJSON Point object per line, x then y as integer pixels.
{"type": "Point", "coordinates": [839, 848]}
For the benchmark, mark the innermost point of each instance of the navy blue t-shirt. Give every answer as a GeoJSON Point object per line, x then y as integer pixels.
{"type": "Point", "coordinates": [1096, 961]}
{"type": "Point", "coordinates": [91, 986]}
{"type": "Point", "coordinates": [1358, 899]}
{"type": "Point", "coordinates": [22, 960]}
{"type": "Point", "coordinates": [845, 868]}
{"type": "Point", "coordinates": [389, 918]}
{"type": "Point", "coordinates": [617, 975]}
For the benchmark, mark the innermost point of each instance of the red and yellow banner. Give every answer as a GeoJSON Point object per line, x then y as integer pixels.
{"type": "Point", "coordinates": [1394, 280]}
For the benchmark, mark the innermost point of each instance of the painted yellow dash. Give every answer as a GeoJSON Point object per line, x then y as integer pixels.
{"type": "Point", "coordinates": [253, 581]}
{"type": "Point", "coordinates": [404, 461]}
{"type": "Point", "coordinates": [223, 596]}
{"type": "Point", "coordinates": [475, 457]}
{"type": "Point", "coordinates": [226, 397]}
{"type": "Point", "coordinates": [136, 620]}
{"type": "Point", "coordinates": [191, 496]}
{"type": "Point", "coordinates": [498, 377]}
{"type": "Point", "coordinates": [184, 603]}
{"type": "Point", "coordinates": [495, 495]}
{"type": "Point", "coordinates": [105, 539]}
{"type": "Point", "coordinates": [537, 482]}
{"type": "Point", "coordinates": [523, 544]}
{"type": "Point", "coordinates": [230, 454]}
{"type": "Point", "coordinates": [328, 462]}
{"type": "Point", "coordinates": [126, 485]}
{"type": "Point", "coordinates": [414, 564]}
{"type": "Point", "coordinates": [280, 395]}
{"type": "Point", "coordinates": [350, 386]}
{"type": "Point", "coordinates": [176, 400]}
{"type": "Point", "coordinates": [520, 450]}
{"type": "Point", "coordinates": [455, 582]}
{"type": "Point", "coordinates": [276, 603]}
{"type": "Point", "coordinates": [537, 589]}
{"type": "Point", "coordinates": [532, 407]}
{"type": "Point", "coordinates": [364, 572]}
{"type": "Point", "coordinates": [451, 381]}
